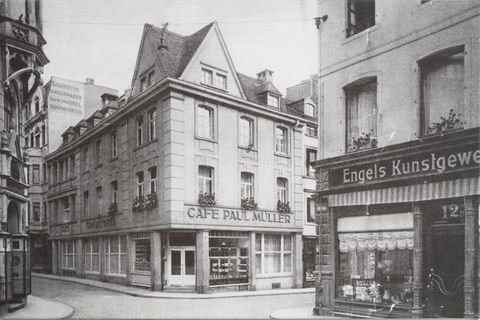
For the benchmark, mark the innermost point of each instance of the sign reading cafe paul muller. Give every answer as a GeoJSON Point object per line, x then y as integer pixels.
{"type": "Point", "coordinates": [425, 163]}
{"type": "Point", "coordinates": [201, 214]}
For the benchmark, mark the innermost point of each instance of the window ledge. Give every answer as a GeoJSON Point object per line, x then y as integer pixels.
{"type": "Point", "coordinates": [145, 144]}
{"type": "Point", "coordinates": [308, 177]}
{"type": "Point", "coordinates": [254, 148]}
{"type": "Point", "coordinates": [206, 139]}
{"type": "Point", "coordinates": [282, 155]}
{"type": "Point", "coordinates": [115, 275]}
{"type": "Point", "coordinates": [274, 275]}
{"type": "Point", "coordinates": [360, 34]}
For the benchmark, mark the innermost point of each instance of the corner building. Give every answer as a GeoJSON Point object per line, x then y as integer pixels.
{"type": "Point", "coordinates": [191, 182]}
{"type": "Point", "coordinates": [398, 180]}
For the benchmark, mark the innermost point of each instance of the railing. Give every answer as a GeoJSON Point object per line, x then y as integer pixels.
{"type": "Point", "coordinates": [16, 186]}
{"type": "Point", "coordinates": [21, 31]}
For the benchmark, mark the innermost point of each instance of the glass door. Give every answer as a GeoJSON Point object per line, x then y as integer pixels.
{"type": "Point", "coordinates": [181, 266]}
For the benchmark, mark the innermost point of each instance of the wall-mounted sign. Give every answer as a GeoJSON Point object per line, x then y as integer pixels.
{"type": "Point", "coordinates": [62, 229]}
{"type": "Point", "coordinates": [99, 223]}
{"type": "Point", "coordinates": [237, 216]}
{"type": "Point", "coordinates": [431, 163]}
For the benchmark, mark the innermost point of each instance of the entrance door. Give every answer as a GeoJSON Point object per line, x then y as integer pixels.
{"type": "Point", "coordinates": [446, 274]}
{"type": "Point", "coordinates": [181, 263]}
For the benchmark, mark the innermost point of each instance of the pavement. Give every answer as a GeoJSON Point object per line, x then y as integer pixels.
{"type": "Point", "coordinates": [145, 293]}
{"type": "Point", "coordinates": [298, 313]}
{"type": "Point", "coordinates": [38, 308]}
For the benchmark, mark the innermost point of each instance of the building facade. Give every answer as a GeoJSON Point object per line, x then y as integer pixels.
{"type": "Point", "coordinates": [21, 64]}
{"type": "Point", "coordinates": [191, 182]}
{"type": "Point", "coordinates": [398, 180]}
{"type": "Point", "coordinates": [62, 103]}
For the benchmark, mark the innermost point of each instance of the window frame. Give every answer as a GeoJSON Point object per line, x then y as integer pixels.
{"type": "Point", "coordinates": [249, 129]}
{"type": "Point", "coordinates": [114, 191]}
{"type": "Point", "coordinates": [110, 254]}
{"type": "Point", "coordinates": [247, 186]}
{"type": "Point", "coordinates": [271, 98]}
{"type": "Point", "coordinates": [350, 27]}
{"type": "Point", "coordinates": [67, 255]}
{"type": "Point", "coordinates": [206, 181]}
{"type": "Point", "coordinates": [35, 174]}
{"type": "Point", "coordinates": [152, 124]}
{"type": "Point", "coordinates": [282, 252]}
{"type": "Point", "coordinates": [140, 184]}
{"type": "Point", "coordinates": [139, 130]}
{"type": "Point", "coordinates": [98, 152]}
{"type": "Point", "coordinates": [199, 129]}
{"type": "Point", "coordinates": [113, 144]}
{"type": "Point", "coordinates": [89, 254]}
{"type": "Point", "coordinates": [153, 183]}
{"type": "Point", "coordinates": [282, 148]}
{"type": "Point", "coordinates": [206, 71]}
{"type": "Point", "coordinates": [310, 171]}
{"type": "Point", "coordinates": [310, 200]}
{"type": "Point", "coordinates": [282, 190]}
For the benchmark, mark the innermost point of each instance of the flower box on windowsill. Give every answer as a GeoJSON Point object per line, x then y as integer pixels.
{"type": "Point", "coordinates": [365, 141]}
{"type": "Point", "coordinates": [137, 204]}
{"type": "Point", "coordinates": [248, 203]}
{"type": "Point", "coordinates": [283, 207]}
{"type": "Point", "coordinates": [206, 199]}
{"type": "Point", "coordinates": [151, 201]}
{"type": "Point", "coordinates": [112, 208]}
{"type": "Point", "coordinates": [446, 124]}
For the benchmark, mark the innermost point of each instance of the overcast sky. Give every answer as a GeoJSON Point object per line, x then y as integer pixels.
{"type": "Point", "coordinates": [100, 38]}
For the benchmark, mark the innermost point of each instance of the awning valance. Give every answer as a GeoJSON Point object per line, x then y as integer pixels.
{"type": "Point", "coordinates": [387, 240]}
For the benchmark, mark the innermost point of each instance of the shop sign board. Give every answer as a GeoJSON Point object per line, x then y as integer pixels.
{"type": "Point", "coordinates": [221, 215]}
{"type": "Point", "coordinates": [98, 223]}
{"type": "Point", "coordinates": [421, 164]}
{"type": "Point", "coordinates": [61, 229]}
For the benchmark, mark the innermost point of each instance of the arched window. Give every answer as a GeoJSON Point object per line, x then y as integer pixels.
{"type": "Point", "coordinates": [205, 122]}
{"type": "Point", "coordinates": [282, 190]}
{"type": "Point", "coordinates": [281, 140]}
{"type": "Point", "coordinates": [310, 110]}
{"type": "Point", "coordinates": [246, 185]}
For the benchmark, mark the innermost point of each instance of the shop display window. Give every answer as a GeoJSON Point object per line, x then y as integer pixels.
{"type": "Point", "coordinates": [376, 276]}
{"type": "Point", "coordinates": [228, 257]}
{"type": "Point", "coordinates": [273, 253]}
{"type": "Point", "coordinates": [92, 255]}
{"type": "Point", "coordinates": [68, 255]}
{"type": "Point", "coordinates": [142, 252]}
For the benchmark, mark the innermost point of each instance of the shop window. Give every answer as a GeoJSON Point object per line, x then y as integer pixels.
{"type": "Point", "coordinates": [152, 127]}
{"type": "Point", "coordinates": [246, 185]}
{"type": "Point", "coordinates": [36, 174]}
{"type": "Point", "coordinates": [360, 15]}
{"type": "Point", "coordinates": [142, 252]}
{"type": "Point", "coordinates": [442, 91]}
{"type": "Point", "coordinates": [113, 144]}
{"type": "Point", "coordinates": [375, 264]}
{"type": "Point", "coordinates": [311, 210]}
{"type": "Point", "coordinates": [310, 157]}
{"type": "Point", "coordinates": [153, 179]}
{"type": "Point", "coordinates": [68, 255]}
{"type": "Point", "coordinates": [116, 255]}
{"type": "Point", "coordinates": [92, 255]}
{"type": "Point", "coordinates": [228, 256]}
{"type": "Point", "coordinates": [281, 140]}
{"type": "Point", "coordinates": [204, 122]}
{"type": "Point", "coordinates": [361, 115]}
{"type": "Point", "coordinates": [309, 265]}
{"type": "Point", "coordinates": [139, 123]}
{"type": "Point", "coordinates": [140, 184]}
{"type": "Point", "coordinates": [205, 180]}
{"type": "Point", "coordinates": [246, 133]}
{"type": "Point", "coordinates": [273, 253]}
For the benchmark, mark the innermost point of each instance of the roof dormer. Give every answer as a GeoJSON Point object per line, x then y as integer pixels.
{"type": "Point", "coordinates": [68, 135]}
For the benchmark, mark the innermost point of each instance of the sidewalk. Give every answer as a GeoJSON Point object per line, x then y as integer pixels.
{"type": "Point", "coordinates": [298, 313]}
{"type": "Point", "coordinates": [38, 308]}
{"type": "Point", "coordinates": [145, 293]}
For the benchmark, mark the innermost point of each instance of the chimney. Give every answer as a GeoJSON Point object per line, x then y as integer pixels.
{"type": "Point", "coordinates": [265, 76]}
{"type": "Point", "coordinates": [89, 81]}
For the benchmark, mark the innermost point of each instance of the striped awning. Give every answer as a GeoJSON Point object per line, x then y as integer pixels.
{"type": "Point", "coordinates": [411, 193]}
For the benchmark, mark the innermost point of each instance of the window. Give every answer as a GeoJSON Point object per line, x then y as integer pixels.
{"type": "Point", "coordinates": [60, 171]}
{"type": "Point", "coordinates": [72, 166]}
{"type": "Point", "coordinates": [68, 255]}
{"type": "Point", "coordinates": [37, 139]}
{"type": "Point", "coordinates": [246, 132]}
{"type": "Point", "coordinates": [54, 173]}
{"type": "Point", "coordinates": [281, 140]}
{"type": "Point", "coordinates": [205, 122]}
{"type": "Point", "coordinates": [66, 209]}
{"type": "Point", "coordinates": [311, 210]}
{"type": "Point", "coordinates": [140, 184]}
{"type": "Point", "coordinates": [86, 205]}
{"type": "Point", "coordinates": [205, 179]}
{"type": "Point", "coordinates": [139, 122]}
{"type": "Point", "coordinates": [113, 144]}
{"type": "Point", "coordinates": [442, 90]}
{"type": "Point", "coordinates": [85, 159]}
{"type": "Point", "coordinates": [147, 80]}
{"type": "Point", "coordinates": [36, 212]}
{"type": "Point", "coordinates": [273, 253]}
{"type": "Point", "coordinates": [45, 173]}
{"type": "Point", "coordinates": [44, 213]}
{"type": "Point", "coordinates": [311, 156]}
{"type": "Point", "coordinates": [26, 141]}
{"type": "Point", "coordinates": [361, 110]}
{"type": "Point", "coordinates": [310, 110]}
{"type": "Point", "coordinates": [360, 16]}
{"type": "Point", "coordinates": [142, 252]}
{"type": "Point", "coordinates": [114, 188]}
{"type": "Point", "coordinates": [150, 78]}
{"type": "Point", "coordinates": [272, 101]}
{"type": "Point", "coordinates": [98, 152]}
{"type": "Point", "coordinates": [44, 138]}
{"type": "Point", "coordinates": [207, 77]}
{"type": "Point", "coordinates": [221, 81]}
{"type": "Point", "coordinates": [99, 200]}
{"type": "Point", "coordinates": [153, 179]}
{"type": "Point", "coordinates": [36, 174]}
{"type": "Point", "coordinates": [246, 185]}
{"type": "Point", "coordinates": [152, 128]}
{"type": "Point", "coordinates": [37, 105]}
{"type": "Point", "coordinates": [143, 84]}
{"type": "Point", "coordinates": [116, 255]}
{"type": "Point", "coordinates": [72, 207]}
{"type": "Point", "coordinates": [92, 255]}
{"type": "Point", "coordinates": [282, 190]}
{"type": "Point", "coordinates": [32, 141]}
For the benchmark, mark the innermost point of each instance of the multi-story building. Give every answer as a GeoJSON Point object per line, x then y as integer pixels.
{"type": "Point", "coordinates": [63, 103]}
{"type": "Point", "coordinates": [21, 64]}
{"type": "Point", "coordinates": [192, 181]}
{"type": "Point", "coordinates": [398, 180]}
{"type": "Point", "coordinates": [302, 98]}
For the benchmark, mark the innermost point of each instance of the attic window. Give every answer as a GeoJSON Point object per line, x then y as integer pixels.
{"type": "Point", "coordinates": [214, 78]}
{"type": "Point", "coordinates": [146, 81]}
{"type": "Point", "coordinates": [272, 101]}
{"type": "Point", "coordinates": [207, 77]}
{"type": "Point", "coordinates": [309, 110]}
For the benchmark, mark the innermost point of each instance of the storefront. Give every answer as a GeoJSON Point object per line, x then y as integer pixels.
{"type": "Point", "coordinates": [399, 229]}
